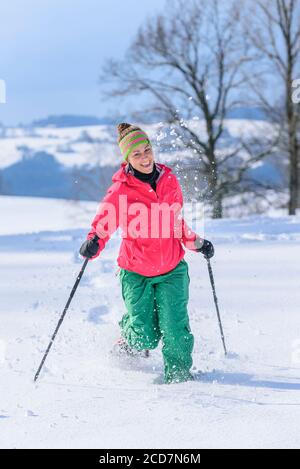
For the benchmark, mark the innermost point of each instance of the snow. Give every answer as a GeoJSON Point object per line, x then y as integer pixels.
{"type": "Point", "coordinates": [86, 399]}
{"type": "Point", "coordinates": [33, 214]}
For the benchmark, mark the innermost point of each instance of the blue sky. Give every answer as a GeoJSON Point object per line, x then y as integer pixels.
{"type": "Point", "coordinates": [51, 52]}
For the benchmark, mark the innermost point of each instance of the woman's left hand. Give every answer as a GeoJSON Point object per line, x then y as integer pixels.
{"type": "Point", "coordinates": [205, 247]}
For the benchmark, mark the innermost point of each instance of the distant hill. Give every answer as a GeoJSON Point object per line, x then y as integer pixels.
{"type": "Point", "coordinates": [250, 113]}
{"type": "Point", "coordinates": [69, 120]}
{"type": "Point", "coordinates": [77, 162]}
{"type": "Point", "coordinates": [41, 175]}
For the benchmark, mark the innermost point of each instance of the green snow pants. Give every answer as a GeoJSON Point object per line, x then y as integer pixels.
{"type": "Point", "coordinates": [157, 309]}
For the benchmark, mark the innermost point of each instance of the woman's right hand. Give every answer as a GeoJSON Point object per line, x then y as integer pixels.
{"type": "Point", "coordinates": [205, 247]}
{"type": "Point", "coordinates": [90, 247]}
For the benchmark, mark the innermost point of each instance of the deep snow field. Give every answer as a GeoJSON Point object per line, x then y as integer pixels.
{"type": "Point", "coordinates": [86, 399]}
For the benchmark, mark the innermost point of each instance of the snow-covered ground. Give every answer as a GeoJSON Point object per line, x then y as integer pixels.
{"type": "Point", "coordinates": [83, 398]}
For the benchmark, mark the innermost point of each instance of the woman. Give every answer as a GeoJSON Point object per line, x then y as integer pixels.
{"type": "Point", "coordinates": [145, 200]}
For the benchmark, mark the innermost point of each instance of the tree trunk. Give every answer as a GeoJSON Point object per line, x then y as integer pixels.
{"type": "Point", "coordinates": [294, 177]}
{"type": "Point", "coordinates": [218, 207]}
{"type": "Point", "coordinates": [215, 194]}
{"type": "Point", "coordinates": [293, 144]}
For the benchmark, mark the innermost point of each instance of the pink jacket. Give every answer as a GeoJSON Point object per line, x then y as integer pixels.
{"type": "Point", "coordinates": [152, 239]}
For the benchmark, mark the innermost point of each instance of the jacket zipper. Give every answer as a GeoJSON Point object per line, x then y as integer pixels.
{"type": "Point", "coordinates": [160, 223]}
{"type": "Point", "coordinates": [160, 218]}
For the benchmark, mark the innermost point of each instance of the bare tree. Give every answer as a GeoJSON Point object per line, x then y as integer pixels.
{"type": "Point", "coordinates": [190, 62]}
{"type": "Point", "coordinates": [275, 35]}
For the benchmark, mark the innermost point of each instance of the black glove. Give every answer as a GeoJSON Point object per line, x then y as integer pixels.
{"type": "Point", "coordinates": [90, 247]}
{"type": "Point", "coordinates": [205, 247]}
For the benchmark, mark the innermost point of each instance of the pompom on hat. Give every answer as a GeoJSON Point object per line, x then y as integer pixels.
{"type": "Point", "coordinates": [129, 137]}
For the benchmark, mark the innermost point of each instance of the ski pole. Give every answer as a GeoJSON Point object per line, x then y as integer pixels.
{"type": "Point", "coordinates": [216, 301]}
{"type": "Point", "coordinates": [63, 314]}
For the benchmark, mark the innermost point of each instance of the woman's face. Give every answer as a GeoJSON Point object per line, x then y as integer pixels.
{"type": "Point", "coordinates": [142, 158]}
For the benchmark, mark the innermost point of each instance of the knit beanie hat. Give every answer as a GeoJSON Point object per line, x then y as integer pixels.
{"type": "Point", "coordinates": [129, 137]}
